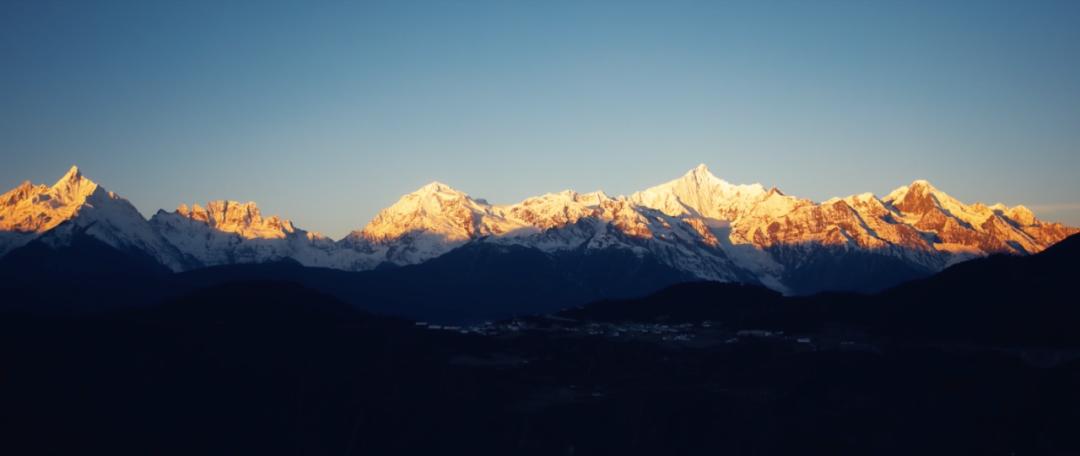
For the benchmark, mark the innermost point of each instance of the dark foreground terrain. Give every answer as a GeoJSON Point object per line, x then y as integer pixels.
{"type": "Point", "coordinates": [981, 359]}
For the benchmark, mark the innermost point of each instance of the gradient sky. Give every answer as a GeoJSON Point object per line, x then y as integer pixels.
{"type": "Point", "coordinates": [325, 114]}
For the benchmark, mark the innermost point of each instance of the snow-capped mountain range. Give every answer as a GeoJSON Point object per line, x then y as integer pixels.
{"type": "Point", "coordinates": [697, 224]}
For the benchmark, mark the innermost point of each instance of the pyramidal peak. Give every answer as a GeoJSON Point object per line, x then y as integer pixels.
{"type": "Point", "coordinates": [434, 207]}
{"type": "Point", "coordinates": [73, 187]}
{"type": "Point", "coordinates": [923, 186]}
{"type": "Point", "coordinates": [78, 205]}
{"type": "Point", "coordinates": [921, 197]}
{"type": "Point", "coordinates": [701, 175]}
{"type": "Point", "coordinates": [700, 170]}
{"type": "Point", "coordinates": [437, 187]}
{"type": "Point", "coordinates": [39, 208]}
{"type": "Point", "coordinates": [73, 174]}
{"type": "Point", "coordinates": [699, 192]}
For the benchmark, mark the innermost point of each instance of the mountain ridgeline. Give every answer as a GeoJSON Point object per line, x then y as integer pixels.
{"type": "Point", "coordinates": [1002, 300]}
{"type": "Point", "coordinates": [667, 322]}
{"type": "Point", "coordinates": [978, 359]}
{"type": "Point", "coordinates": [438, 252]}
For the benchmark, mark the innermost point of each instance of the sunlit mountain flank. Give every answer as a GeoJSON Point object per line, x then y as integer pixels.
{"type": "Point", "coordinates": [697, 224]}
{"type": "Point", "coordinates": [76, 206]}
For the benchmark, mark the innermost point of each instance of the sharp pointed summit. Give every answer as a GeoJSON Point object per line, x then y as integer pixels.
{"type": "Point", "coordinates": [73, 187]}
{"type": "Point", "coordinates": [701, 170]}
{"type": "Point", "coordinates": [700, 176]}
{"type": "Point", "coordinates": [73, 177]}
{"type": "Point", "coordinates": [917, 198]}
{"type": "Point", "coordinates": [38, 208]}
{"type": "Point", "coordinates": [699, 192]}
{"type": "Point", "coordinates": [74, 207]}
{"type": "Point", "coordinates": [916, 187]}
{"type": "Point", "coordinates": [696, 223]}
{"type": "Point", "coordinates": [72, 174]}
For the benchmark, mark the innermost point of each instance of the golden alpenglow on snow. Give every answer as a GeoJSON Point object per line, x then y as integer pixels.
{"type": "Point", "coordinates": [698, 224]}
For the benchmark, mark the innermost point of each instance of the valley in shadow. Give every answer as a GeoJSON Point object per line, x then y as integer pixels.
{"type": "Point", "coordinates": [981, 359]}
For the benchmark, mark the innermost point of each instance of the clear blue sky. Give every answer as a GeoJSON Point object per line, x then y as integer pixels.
{"type": "Point", "coordinates": [324, 114]}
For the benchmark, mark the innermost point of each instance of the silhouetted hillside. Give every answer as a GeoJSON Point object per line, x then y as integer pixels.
{"type": "Point", "coordinates": [472, 283]}
{"type": "Point", "coordinates": [1007, 299]}
{"type": "Point", "coordinates": [261, 367]}
{"type": "Point", "coordinates": [86, 275]}
{"type": "Point", "coordinates": [1028, 300]}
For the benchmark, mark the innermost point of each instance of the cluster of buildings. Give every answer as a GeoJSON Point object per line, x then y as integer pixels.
{"type": "Point", "coordinates": [681, 332]}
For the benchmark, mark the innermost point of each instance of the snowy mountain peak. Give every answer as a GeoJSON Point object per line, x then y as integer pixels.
{"type": "Point", "coordinates": [593, 198]}
{"type": "Point", "coordinates": [434, 210]}
{"type": "Point", "coordinates": [229, 232]}
{"type": "Point", "coordinates": [697, 223]}
{"type": "Point", "coordinates": [76, 206]}
{"type": "Point", "coordinates": [861, 198]}
{"type": "Point", "coordinates": [243, 219]}
{"type": "Point", "coordinates": [917, 198]}
{"type": "Point", "coordinates": [699, 192]}
{"type": "Point", "coordinates": [73, 174]}
{"type": "Point", "coordinates": [73, 187]}
{"type": "Point", "coordinates": [19, 193]}
{"type": "Point", "coordinates": [434, 197]}
{"type": "Point", "coordinates": [1022, 215]}
{"type": "Point", "coordinates": [32, 208]}
{"type": "Point", "coordinates": [436, 187]}
{"type": "Point", "coordinates": [918, 188]}
{"type": "Point", "coordinates": [922, 184]}
{"type": "Point", "coordinates": [700, 177]}
{"type": "Point", "coordinates": [700, 171]}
